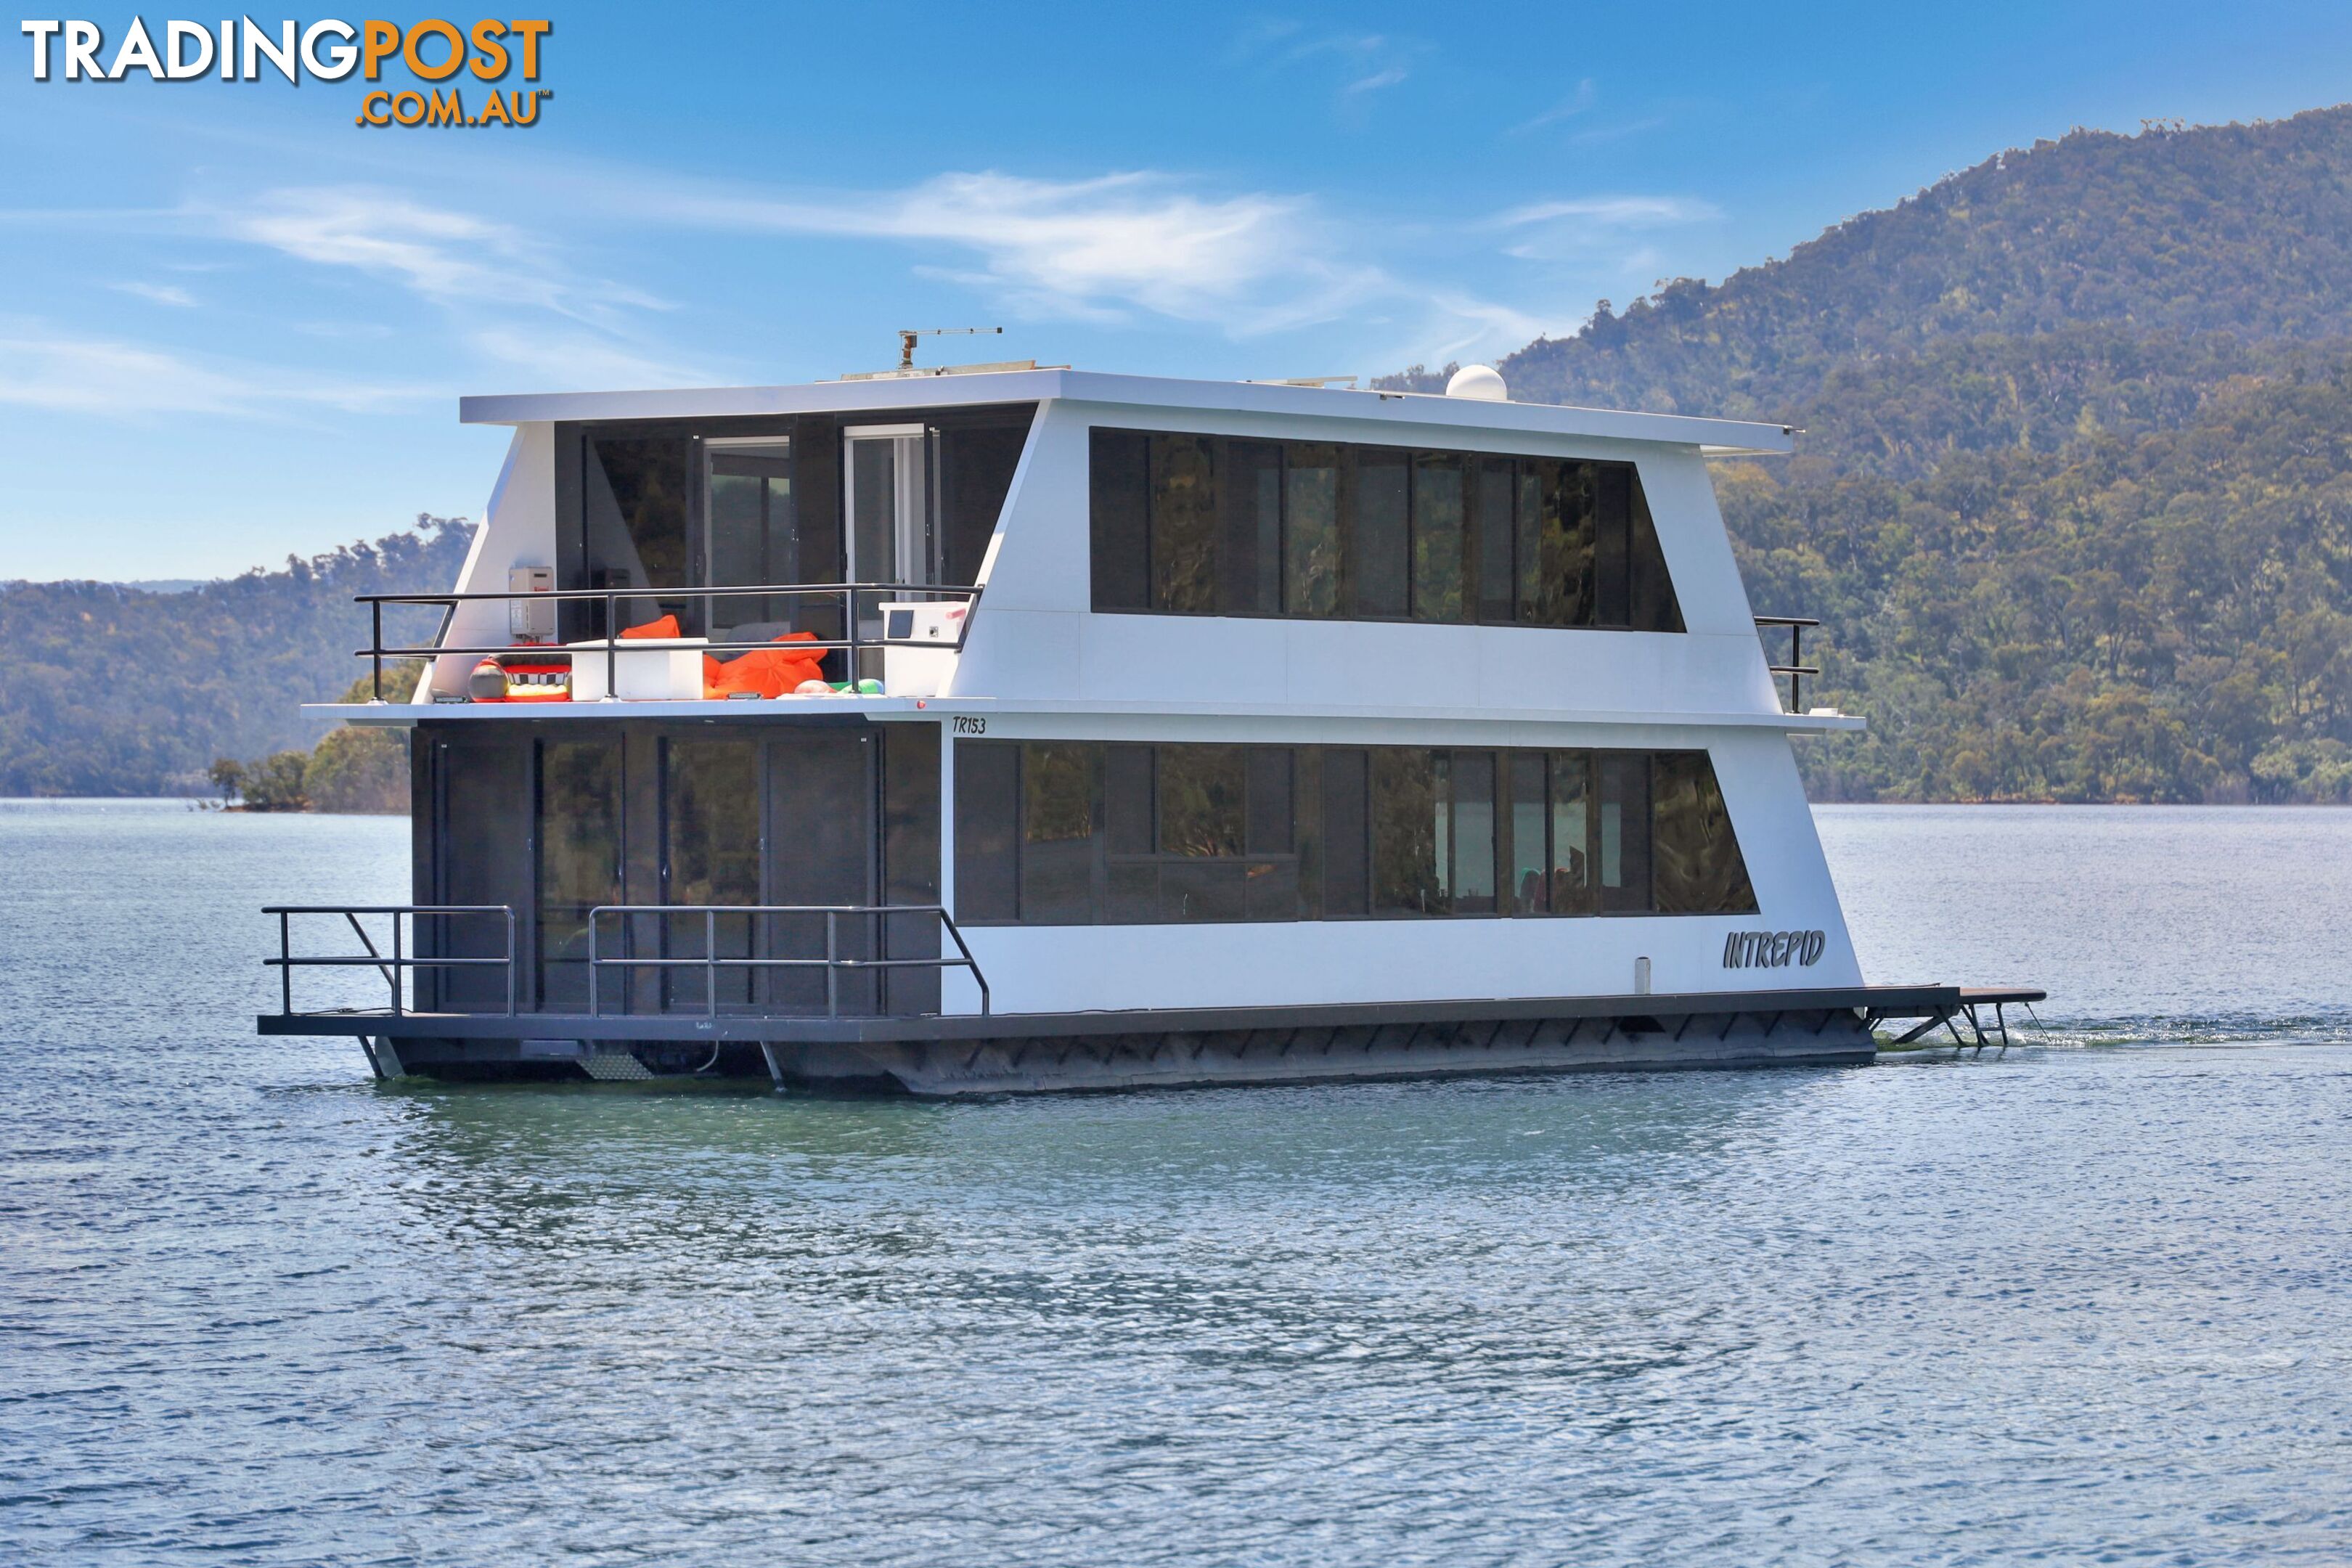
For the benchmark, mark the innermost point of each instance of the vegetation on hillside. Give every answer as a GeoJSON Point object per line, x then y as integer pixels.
{"type": "Point", "coordinates": [113, 691]}
{"type": "Point", "coordinates": [352, 770]}
{"type": "Point", "coordinates": [2073, 490]}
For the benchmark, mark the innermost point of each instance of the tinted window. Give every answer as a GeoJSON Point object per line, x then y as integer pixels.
{"type": "Point", "coordinates": [1347, 833]}
{"type": "Point", "coordinates": [1310, 561]}
{"type": "Point", "coordinates": [910, 859]}
{"type": "Point", "coordinates": [1572, 833]}
{"type": "Point", "coordinates": [1613, 549]}
{"type": "Point", "coordinates": [975, 474]}
{"type": "Point", "coordinates": [988, 828]}
{"type": "Point", "coordinates": [1382, 533]}
{"type": "Point", "coordinates": [1174, 832]}
{"type": "Point", "coordinates": [1496, 535]}
{"type": "Point", "coordinates": [1119, 519]}
{"type": "Point", "coordinates": [1696, 859]}
{"type": "Point", "coordinates": [1250, 562]}
{"type": "Point", "coordinates": [1203, 801]}
{"type": "Point", "coordinates": [1652, 594]}
{"type": "Point", "coordinates": [754, 531]}
{"type": "Point", "coordinates": [1059, 784]}
{"type": "Point", "coordinates": [1404, 834]}
{"type": "Point", "coordinates": [579, 803]}
{"type": "Point", "coordinates": [634, 494]}
{"type": "Point", "coordinates": [710, 855]}
{"type": "Point", "coordinates": [1473, 885]}
{"type": "Point", "coordinates": [1183, 523]}
{"type": "Point", "coordinates": [1206, 524]}
{"type": "Point", "coordinates": [1623, 841]}
{"type": "Point", "coordinates": [1440, 537]}
{"type": "Point", "coordinates": [1530, 877]}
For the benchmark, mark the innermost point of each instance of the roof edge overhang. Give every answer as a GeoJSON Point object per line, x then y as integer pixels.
{"type": "Point", "coordinates": [1712, 437]}
{"type": "Point", "coordinates": [906, 709]}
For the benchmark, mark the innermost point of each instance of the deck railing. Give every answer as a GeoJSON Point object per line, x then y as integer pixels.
{"type": "Point", "coordinates": [848, 600]}
{"type": "Point", "coordinates": [393, 965]}
{"type": "Point", "coordinates": [834, 962]}
{"type": "Point", "coordinates": [1796, 670]}
{"type": "Point", "coordinates": [396, 965]}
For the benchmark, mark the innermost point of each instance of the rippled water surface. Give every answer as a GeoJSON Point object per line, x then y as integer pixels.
{"type": "Point", "coordinates": [2087, 1303]}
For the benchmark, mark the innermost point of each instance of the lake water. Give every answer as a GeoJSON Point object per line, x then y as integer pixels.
{"type": "Point", "coordinates": [2086, 1303]}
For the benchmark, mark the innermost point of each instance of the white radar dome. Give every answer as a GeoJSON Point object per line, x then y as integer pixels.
{"type": "Point", "coordinates": [1483, 382]}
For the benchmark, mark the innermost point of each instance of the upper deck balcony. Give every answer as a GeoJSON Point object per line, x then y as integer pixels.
{"type": "Point", "coordinates": [1145, 546]}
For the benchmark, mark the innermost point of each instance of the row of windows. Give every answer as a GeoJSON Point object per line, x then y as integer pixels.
{"type": "Point", "coordinates": [1186, 524]}
{"type": "Point", "coordinates": [1083, 833]}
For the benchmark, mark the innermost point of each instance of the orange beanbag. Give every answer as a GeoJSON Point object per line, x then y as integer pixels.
{"type": "Point", "coordinates": [665, 627]}
{"type": "Point", "coordinates": [768, 671]}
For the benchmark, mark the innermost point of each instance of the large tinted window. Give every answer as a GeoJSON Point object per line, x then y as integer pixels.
{"type": "Point", "coordinates": [988, 833]}
{"type": "Point", "coordinates": [579, 831]}
{"type": "Point", "coordinates": [1696, 868]}
{"type": "Point", "coordinates": [1382, 533]}
{"type": "Point", "coordinates": [634, 493]}
{"type": "Point", "coordinates": [1120, 538]}
{"type": "Point", "coordinates": [1184, 528]}
{"type": "Point", "coordinates": [1102, 834]}
{"type": "Point", "coordinates": [1195, 524]}
{"type": "Point", "coordinates": [754, 531]}
{"type": "Point", "coordinates": [1310, 526]}
{"type": "Point", "coordinates": [1059, 783]}
{"type": "Point", "coordinates": [710, 855]}
{"type": "Point", "coordinates": [1441, 534]}
{"type": "Point", "coordinates": [975, 468]}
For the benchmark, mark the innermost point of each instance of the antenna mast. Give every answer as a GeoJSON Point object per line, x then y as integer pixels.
{"type": "Point", "coordinates": [906, 336]}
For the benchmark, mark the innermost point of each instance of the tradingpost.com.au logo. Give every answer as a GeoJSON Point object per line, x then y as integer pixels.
{"type": "Point", "coordinates": [433, 51]}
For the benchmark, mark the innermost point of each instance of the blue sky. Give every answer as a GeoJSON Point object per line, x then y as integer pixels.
{"type": "Point", "coordinates": [234, 325]}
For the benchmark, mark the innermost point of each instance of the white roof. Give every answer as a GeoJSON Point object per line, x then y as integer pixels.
{"type": "Point", "coordinates": [1422, 411]}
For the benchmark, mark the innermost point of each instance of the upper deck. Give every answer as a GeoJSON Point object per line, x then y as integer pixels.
{"type": "Point", "coordinates": [1120, 545]}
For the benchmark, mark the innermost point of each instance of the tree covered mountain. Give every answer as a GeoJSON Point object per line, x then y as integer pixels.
{"type": "Point", "coordinates": [2073, 492]}
{"type": "Point", "coordinates": [110, 690]}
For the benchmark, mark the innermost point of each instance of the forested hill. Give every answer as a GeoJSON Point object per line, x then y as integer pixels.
{"type": "Point", "coordinates": [2074, 490]}
{"type": "Point", "coordinates": [110, 690]}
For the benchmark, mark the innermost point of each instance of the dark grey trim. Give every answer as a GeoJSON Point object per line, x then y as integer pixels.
{"type": "Point", "coordinates": [1877, 1001]}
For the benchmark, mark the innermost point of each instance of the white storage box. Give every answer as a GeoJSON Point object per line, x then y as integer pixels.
{"type": "Point", "coordinates": [643, 675]}
{"type": "Point", "coordinates": [918, 646]}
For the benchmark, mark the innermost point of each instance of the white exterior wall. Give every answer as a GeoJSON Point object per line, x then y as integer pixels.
{"type": "Point", "coordinates": [1035, 636]}
{"type": "Point", "coordinates": [1035, 640]}
{"type": "Point", "coordinates": [1053, 969]}
{"type": "Point", "coordinates": [517, 529]}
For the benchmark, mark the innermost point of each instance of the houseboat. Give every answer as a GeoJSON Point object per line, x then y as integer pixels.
{"type": "Point", "coordinates": [1005, 729]}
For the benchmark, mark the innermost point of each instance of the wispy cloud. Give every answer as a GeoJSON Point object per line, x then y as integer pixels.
{"type": "Point", "coordinates": [158, 293]}
{"type": "Point", "coordinates": [1372, 62]}
{"type": "Point", "coordinates": [483, 272]}
{"type": "Point", "coordinates": [446, 256]}
{"type": "Point", "coordinates": [1595, 136]}
{"type": "Point", "coordinates": [1613, 212]}
{"type": "Point", "coordinates": [581, 361]}
{"type": "Point", "coordinates": [1091, 249]}
{"type": "Point", "coordinates": [1582, 227]}
{"type": "Point", "coordinates": [1461, 325]}
{"type": "Point", "coordinates": [1568, 108]}
{"type": "Point", "coordinates": [43, 369]}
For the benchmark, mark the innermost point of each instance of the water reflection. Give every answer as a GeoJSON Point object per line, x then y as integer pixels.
{"type": "Point", "coordinates": [2074, 1304]}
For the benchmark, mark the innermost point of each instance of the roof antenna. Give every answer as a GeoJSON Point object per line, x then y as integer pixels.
{"type": "Point", "coordinates": [906, 336]}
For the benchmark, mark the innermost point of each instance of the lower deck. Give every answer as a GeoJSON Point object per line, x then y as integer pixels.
{"type": "Point", "coordinates": [1016, 1053]}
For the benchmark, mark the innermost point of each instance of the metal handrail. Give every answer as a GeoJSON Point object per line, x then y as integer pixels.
{"type": "Point", "coordinates": [1796, 670]}
{"type": "Point", "coordinates": [614, 645]}
{"type": "Point", "coordinates": [832, 963]}
{"type": "Point", "coordinates": [390, 966]}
